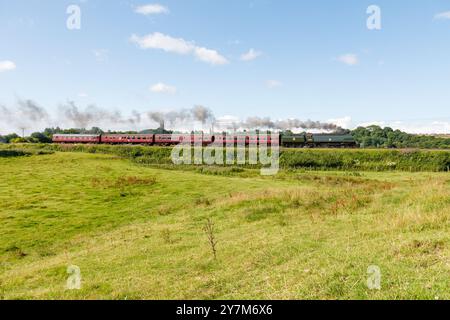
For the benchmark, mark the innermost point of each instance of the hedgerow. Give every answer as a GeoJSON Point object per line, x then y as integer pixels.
{"type": "Point", "coordinates": [318, 159]}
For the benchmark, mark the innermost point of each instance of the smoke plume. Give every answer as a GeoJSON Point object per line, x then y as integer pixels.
{"type": "Point", "coordinates": [28, 114]}
{"type": "Point", "coordinates": [308, 124]}
{"type": "Point", "coordinates": [254, 123]}
{"type": "Point", "coordinates": [157, 117]}
{"type": "Point", "coordinates": [4, 112]}
{"type": "Point", "coordinates": [31, 111]}
{"type": "Point", "coordinates": [196, 114]}
{"type": "Point", "coordinates": [94, 115]}
{"type": "Point", "coordinates": [203, 114]}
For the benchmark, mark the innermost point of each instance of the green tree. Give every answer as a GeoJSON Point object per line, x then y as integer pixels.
{"type": "Point", "coordinates": [41, 137]}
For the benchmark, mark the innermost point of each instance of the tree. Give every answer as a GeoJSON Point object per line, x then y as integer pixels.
{"type": "Point", "coordinates": [375, 136]}
{"type": "Point", "coordinates": [41, 137]}
{"type": "Point", "coordinates": [8, 138]}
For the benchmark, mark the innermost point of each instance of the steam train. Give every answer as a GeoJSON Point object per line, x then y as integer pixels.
{"type": "Point", "coordinates": [303, 140]}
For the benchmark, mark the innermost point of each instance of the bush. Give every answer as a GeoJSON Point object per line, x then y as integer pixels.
{"type": "Point", "coordinates": [370, 160]}
{"type": "Point", "coordinates": [18, 140]}
{"type": "Point", "coordinates": [13, 153]}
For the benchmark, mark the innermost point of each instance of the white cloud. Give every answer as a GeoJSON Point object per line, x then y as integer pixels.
{"type": "Point", "coordinates": [210, 56]}
{"type": "Point", "coordinates": [252, 54]}
{"type": "Point", "coordinates": [7, 66]}
{"type": "Point", "coordinates": [225, 122]}
{"type": "Point", "coordinates": [349, 59]}
{"type": "Point", "coordinates": [272, 84]}
{"type": "Point", "coordinates": [83, 95]}
{"type": "Point", "coordinates": [167, 43]}
{"type": "Point", "coordinates": [153, 8]}
{"type": "Point", "coordinates": [227, 119]}
{"type": "Point", "coordinates": [442, 16]}
{"type": "Point", "coordinates": [163, 88]}
{"type": "Point", "coordinates": [344, 122]}
{"type": "Point", "coordinates": [161, 41]}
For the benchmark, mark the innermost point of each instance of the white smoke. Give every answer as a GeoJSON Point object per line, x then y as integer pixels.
{"type": "Point", "coordinates": [27, 114]}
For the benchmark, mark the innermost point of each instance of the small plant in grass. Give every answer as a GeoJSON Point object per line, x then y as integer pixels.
{"type": "Point", "coordinates": [209, 230]}
{"type": "Point", "coordinates": [203, 201]}
{"type": "Point", "coordinates": [122, 193]}
{"type": "Point", "coordinates": [167, 236]}
{"type": "Point", "coordinates": [164, 210]}
{"type": "Point", "coordinates": [2, 291]}
{"type": "Point", "coordinates": [18, 252]}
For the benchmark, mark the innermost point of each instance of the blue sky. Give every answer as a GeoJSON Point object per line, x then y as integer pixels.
{"type": "Point", "coordinates": [282, 59]}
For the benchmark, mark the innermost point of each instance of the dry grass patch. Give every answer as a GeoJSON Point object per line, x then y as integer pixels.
{"type": "Point", "coordinates": [121, 182]}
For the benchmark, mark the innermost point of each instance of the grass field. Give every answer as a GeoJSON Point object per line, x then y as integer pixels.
{"type": "Point", "coordinates": [137, 232]}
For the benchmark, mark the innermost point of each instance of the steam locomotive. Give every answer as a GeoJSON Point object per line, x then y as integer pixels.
{"type": "Point", "coordinates": [303, 140]}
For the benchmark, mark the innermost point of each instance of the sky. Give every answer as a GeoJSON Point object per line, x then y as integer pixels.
{"type": "Point", "coordinates": [282, 59]}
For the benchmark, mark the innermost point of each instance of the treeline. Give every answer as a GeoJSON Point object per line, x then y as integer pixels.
{"type": "Point", "coordinates": [367, 137]}
{"type": "Point", "coordinates": [46, 135]}
{"type": "Point", "coordinates": [36, 137]}
{"type": "Point", "coordinates": [377, 137]}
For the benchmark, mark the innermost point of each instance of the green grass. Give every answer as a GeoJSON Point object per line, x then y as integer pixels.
{"type": "Point", "coordinates": [136, 232]}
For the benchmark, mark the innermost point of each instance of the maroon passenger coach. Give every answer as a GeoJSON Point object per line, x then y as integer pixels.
{"type": "Point", "coordinates": [164, 139]}
{"type": "Point", "coordinates": [76, 138]}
